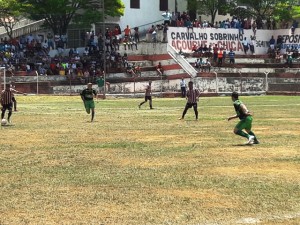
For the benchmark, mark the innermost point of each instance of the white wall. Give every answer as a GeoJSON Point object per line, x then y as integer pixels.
{"type": "Point", "coordinates": [147, 13]}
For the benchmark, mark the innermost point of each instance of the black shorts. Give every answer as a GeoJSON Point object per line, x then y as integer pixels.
{"type": "Point", "coordinates": [190, 105]}
{"type": "Point", "coordinates": [148, 98]}
{"type": "Point", "coordinates": [7, 107]}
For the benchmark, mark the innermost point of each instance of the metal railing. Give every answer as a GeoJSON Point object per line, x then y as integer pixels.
{"type": "Point", "coordinates": [143, 29]}
{"type": "Point", "coordinates": [185, 65]}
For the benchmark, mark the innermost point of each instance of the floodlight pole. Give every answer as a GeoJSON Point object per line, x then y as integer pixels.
{"type": "Point", "coordinates": [134, 85]}
{"type": "Point", "coordinates": [104, 55]}
{"type": "Point", "coordinates": [217, 84]}
{"type": "Point", "coordinates": [267, 85]}
{"type": "Point", "coordinates": [4, 76]}
{"type": "Point", "coordinates": [161, 85]}
{"type": "Point", "coordinates": [37, 82]}
{"type": "Point", "coordinates": [241, 83]}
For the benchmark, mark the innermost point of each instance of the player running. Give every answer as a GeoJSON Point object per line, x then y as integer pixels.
{"type": "Point", "coordinates": [87, 96]}
{"type": "Point", "coordinates": [245, 117]}
{"type": "Point", "coordinates": [148, 96]}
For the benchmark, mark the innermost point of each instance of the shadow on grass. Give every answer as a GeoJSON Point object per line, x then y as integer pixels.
{"type": "Point", "coordinates": [242, 145]}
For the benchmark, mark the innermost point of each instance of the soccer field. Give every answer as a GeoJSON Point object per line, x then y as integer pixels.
{"type": "Point", "coordinates": [141, 166]}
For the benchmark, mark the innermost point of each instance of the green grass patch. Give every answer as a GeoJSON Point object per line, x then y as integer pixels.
{"type": "Point", "coordinates": [142, 166]}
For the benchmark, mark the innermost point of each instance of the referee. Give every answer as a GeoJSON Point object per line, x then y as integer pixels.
{"type": "Point", "coordinates": [7, 102]}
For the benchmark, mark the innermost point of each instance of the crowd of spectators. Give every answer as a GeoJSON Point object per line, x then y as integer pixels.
{"type": "Point", "coordinates": [31, 54]}
{"type": "Point", "coordinates": [184, 19]}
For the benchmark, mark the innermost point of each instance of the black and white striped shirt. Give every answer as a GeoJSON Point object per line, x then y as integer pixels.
{"type": "Point", "coordinates": [192, 95]}
{"type": "Point", "coordinates": [6, 97]}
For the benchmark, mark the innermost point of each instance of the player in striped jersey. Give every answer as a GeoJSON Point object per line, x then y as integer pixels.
{"type": "Point", "coordinates": [192, 97]}
{"type": "Point", "coordinates": [6, 102]}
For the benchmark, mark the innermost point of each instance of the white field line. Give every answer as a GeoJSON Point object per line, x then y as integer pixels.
{"type": "Point", "coordinates": [269, 218]}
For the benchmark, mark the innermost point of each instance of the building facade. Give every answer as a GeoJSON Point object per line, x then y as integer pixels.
{"type": "Point", "coordinates": [143, 13]}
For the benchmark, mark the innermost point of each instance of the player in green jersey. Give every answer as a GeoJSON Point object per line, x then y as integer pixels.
{"type": "Point", "coordinates": [245, 117]}
{"type": "Point", "coordinates": [87, 96]}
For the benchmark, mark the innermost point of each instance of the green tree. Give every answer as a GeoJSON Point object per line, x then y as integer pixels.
{"type": "Point", "coordinates": [58, 14]}
{"type": "Point", "coordinates": [287, 11]}
{"type": "Point", "coordinates": [210, 7]}
{"type": "Point", "coordinates": [262, 9]}
{"type": "Point", "coordinates": [10, 15]}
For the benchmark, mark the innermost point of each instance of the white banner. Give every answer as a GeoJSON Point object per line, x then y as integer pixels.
{"type": "Point", "coordinates": [182, 38]}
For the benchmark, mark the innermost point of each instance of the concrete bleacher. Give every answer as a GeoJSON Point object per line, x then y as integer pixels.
{"type": "Point", "coordinates": [251, 69]}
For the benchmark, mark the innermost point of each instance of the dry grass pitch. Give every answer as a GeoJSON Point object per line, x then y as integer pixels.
{"type": "Point", "coordinates": [145, 166]}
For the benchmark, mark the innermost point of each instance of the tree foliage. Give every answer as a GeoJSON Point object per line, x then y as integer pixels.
{"type": "Point", "coordinates": [279, 10]}
{"type": "Point", "coordinates": [10, 15]}
{"type": "Point", "coordinates": [211, 7]}
{"type": "Point", "coordinates": [287, 11]}
{"type": "Point", "coordinates": [58, 14]}
{"type": "Point", "coordinates": [262, 8]}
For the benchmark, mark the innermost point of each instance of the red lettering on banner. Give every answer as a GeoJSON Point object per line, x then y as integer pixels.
{"type": "Point", "coordinates": [233, 46]}
{"type": "Point", "coordinates": [173, 44]}
{"type": "Point", "coordinates": [240, 47]}
{"type": "Point", "coordinates": [186, 45]}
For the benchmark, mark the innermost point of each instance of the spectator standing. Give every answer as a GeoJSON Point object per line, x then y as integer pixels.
{"type": "Point", "coordinates": [245, 45]}
{"type": "Point", "coordinates": [279, 42]}
{"type": "Point", "coordinates": [159, 69]}
{"type": "Point", "coordinates": [196, 23]}
{"type": "Point", "coordinates": [183, 88]}
{"type": "Point", "coordinates": [136, 35]}
{"type": "Point", "coordinates": [165, 30]}
{"type": "Point", "coordinates": [127, 32]}
{"type": "Point", "coordinates": [205, 24]}
{"type": "Point", "coordinates": [179, 22]}
{"type": "Point", "coordinates": [188, 24]}
{"type": "Point", "coordinates": [252, 44]}
{"type": "Point", "coordinates": [50, 40]}
{"type": "Point", "coordinates": [45, 46]}
{"type": "Point", "coordinates": [254, 27]}
{"type": "Point", "coordinates": [272, 43]}
{"type": "Point", "coordinates": [215, 53]}
{"type": "Point", "coordinates": [167, 17]}
{"type": "Point", "coordinates": [224, 56]}
{"type": "Point", "coordinates": [220, 57]}
{"type": "Point", "coordinates": [100, 83]}
{"type": "Point", "coordinates": [294, 26]}
{"type": "Point", "coordinates": [206, 66]}
{"type": "Point", "coordinates": [173, 19]}
{"type": "Point", "coordinates": [231, 56]}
